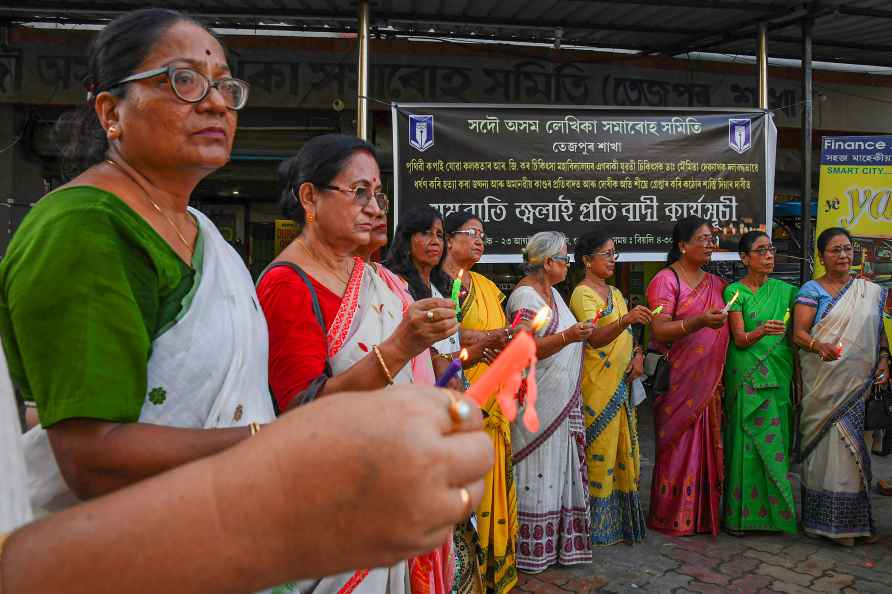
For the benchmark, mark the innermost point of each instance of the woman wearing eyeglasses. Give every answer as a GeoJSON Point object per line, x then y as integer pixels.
{"type": "Point", "coordinates": [336, 325]}
{"type": "Point", "coordinates": [612, 362]}
{"type": "Point", "coordinates": [692, 333]}
{"type": "Point", "coordinates": [111, 313]}
{"type": "Point", "coordinates": [838, 326]}
{"type": "Point", "coordinates": [758, 391]}
{"type": "Point", "coordinates": [549, 466]}
{"type": "Point", "coordinates": [484, 333]}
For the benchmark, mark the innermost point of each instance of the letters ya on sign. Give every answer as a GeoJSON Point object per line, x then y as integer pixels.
{"type": "Point", "coordinates": [867, 202]}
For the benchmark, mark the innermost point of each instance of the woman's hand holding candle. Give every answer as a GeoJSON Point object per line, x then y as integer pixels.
{"type": "Point", "coordinates": [453, 369]}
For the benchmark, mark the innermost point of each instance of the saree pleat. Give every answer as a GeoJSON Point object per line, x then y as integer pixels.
{"type": "Point", "coordinates": [611, 435]}
{"type": "Point", "coordinates": [497, 513]}
{"type": "Point", "coordinates": [758, 409]}
{"type": "Point", "coordinates": [688, 473]}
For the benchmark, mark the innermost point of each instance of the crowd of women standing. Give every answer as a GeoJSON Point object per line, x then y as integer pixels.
{"type": "Point", "coordinates": [158, 352]}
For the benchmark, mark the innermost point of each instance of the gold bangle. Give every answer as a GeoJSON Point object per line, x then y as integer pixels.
{"type": "Point", "coordinates": [683, 329]}
{"type": "Point", "coordinates": [386, 371]}
{"type": "Point", "coordinates": [564, 337]}
{"type": "Point", "coordinates": [254, 427]}
{"type": "Point", "coordinates": [811, 345]}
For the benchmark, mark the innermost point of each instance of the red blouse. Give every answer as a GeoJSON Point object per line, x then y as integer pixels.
{"type": "Point", "coordinates": [297, 345]}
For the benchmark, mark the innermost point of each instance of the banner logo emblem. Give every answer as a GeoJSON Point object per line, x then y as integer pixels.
{"type": "Point", "coordinates": [421, 132]}
{"type": "Point", "coordinates": [740, 134]}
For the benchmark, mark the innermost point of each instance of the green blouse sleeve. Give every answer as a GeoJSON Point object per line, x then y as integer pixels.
{"type": "Point", "coordinates": [81, 298]}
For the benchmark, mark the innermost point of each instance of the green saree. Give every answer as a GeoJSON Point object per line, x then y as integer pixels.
{"type": "Point", "coordinates": [759, 413]}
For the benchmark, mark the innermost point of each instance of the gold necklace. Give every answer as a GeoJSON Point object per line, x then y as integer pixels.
{"type": "Point", "coordinates": [155, 205]}
{"type": "Point", "coordinates": [324, 264]}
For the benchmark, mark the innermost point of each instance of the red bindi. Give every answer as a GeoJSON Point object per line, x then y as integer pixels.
{"type": "Point", "coordinates": [207, 52]}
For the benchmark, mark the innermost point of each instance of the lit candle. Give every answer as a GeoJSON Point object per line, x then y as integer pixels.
{"type": "Point", "coordinates": [505, 375]}
{"type": "Point", "coordinates": [541, 318]}
{"type": "Point", "coordinates": [456, 290]}
{"type": "Point", "coordinates": [730, 303]}
{"type": "Point", "coordinates": [657, 311]}
{"type": "Point", "coordinates": [453, 369]}
{"type": "Point", "coordinates": [839, 349]}
{"type": "Point", "coordinates": [597, 317]}
{"type": "Point", "coordinates": [786, 316]}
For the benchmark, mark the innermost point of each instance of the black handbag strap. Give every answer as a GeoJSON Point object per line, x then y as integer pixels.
{"type": "Point", "coordinates": [677, 291]}
{"type": "Point", "coordinates": [317, 309]}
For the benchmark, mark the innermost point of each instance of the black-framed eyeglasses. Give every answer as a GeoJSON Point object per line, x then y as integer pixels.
{"type": "Point", "coordinates": [472, 233]}
{"type": "Point", "coordinates": [564, 259]}
{"type": "Point", "coordinates": [362, 195]}
{"type": "Point", "coordinates": [763, 251]}
{"type": "Point", "coordinates": [192, 86]}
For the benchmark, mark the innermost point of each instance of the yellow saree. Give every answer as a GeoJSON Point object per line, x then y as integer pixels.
{"type": "Point", "coordinates": [497, 513]}
{"type": "Point", "coordinates": [611, 432]}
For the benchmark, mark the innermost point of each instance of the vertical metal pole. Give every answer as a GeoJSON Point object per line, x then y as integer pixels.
{"type": "Point", "coordinates": [362, 72]}
{"type": "Point", "coordinates": [763, 67]}
{"type": "Point", "coordinates": [807, 250]}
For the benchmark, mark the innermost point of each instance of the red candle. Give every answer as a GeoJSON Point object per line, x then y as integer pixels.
{"type": "Point", "coordinates": [504, 376]}
{"type": "Point", "coordinates": [516, 321]}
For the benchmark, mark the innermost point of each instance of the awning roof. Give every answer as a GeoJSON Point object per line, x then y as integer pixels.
{"type": "Point", "coordinates": [848, 31]}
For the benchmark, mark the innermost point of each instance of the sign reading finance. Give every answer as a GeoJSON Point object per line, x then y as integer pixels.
{"type": "Point", "coordinates": [631, 172]}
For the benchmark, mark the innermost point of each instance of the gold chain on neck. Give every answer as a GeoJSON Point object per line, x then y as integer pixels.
{"type": "Point", "coordinates": [154, 204]}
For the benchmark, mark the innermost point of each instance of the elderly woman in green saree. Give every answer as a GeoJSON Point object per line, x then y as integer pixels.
{"type": "Point", "coordinates": [758, 407]}
{"type": "Point", "coordinates": [838, 324]}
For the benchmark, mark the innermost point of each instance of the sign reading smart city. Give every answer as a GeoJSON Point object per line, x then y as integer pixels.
{"type": "Point", "coordinates": [633, 172]}
{"type": "Point", "coordinates": [855, 193]}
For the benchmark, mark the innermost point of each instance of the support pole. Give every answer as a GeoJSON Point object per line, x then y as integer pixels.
{"type": "Point", "coordinates": [763, 67]}
{"type": "Point", "coordinates": [362, 72]}
{"type": "Point", "coordinates": [807, 250]}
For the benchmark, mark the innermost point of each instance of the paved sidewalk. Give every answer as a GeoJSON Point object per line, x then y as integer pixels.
{"type": "Point", "coordinates": [762, 564]}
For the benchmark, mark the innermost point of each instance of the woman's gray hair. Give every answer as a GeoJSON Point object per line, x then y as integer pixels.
{"type": "Point", "coordinates": [545, 244]}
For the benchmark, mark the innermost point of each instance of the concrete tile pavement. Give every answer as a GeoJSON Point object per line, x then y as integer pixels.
{"type": "Point", "coordinates": [753, 564]}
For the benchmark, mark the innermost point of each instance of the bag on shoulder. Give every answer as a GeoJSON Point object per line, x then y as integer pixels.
{"type": "Point", "coordinates": [309, 393]}
{"type": "Point", "coordinates": [659, 362]}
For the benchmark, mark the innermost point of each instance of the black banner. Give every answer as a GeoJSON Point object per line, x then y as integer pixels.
{"type": "Point", "coordinates": [522, 170]}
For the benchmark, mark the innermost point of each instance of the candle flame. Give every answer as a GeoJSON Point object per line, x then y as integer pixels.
{"type": "Point", "coordinates": [541, 318]}
{"type": "Point", "coordinates": [463, 355]}
{"type": "Point", "coordinates": [461, 273]}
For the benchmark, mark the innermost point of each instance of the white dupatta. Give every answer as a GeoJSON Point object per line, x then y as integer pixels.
{"type": "Point", "coordinates": [15, 508]}
{"type": "Point", "coordinates": [208, 370]}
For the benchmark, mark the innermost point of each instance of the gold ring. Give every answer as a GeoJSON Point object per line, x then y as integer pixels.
{"type": "Point", "coordinates": [430, 316]}
{"type": "Point", "coordinates": [465, 501]}
{"type": "Point", "coordinates": [459, 410]}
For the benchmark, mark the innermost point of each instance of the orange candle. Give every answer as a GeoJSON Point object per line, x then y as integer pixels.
{"type": "Point", "coordinates": [504, 376]}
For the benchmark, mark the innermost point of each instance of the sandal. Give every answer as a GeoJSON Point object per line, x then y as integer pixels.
{"type": "Point", "coordinates": [884, 487]}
